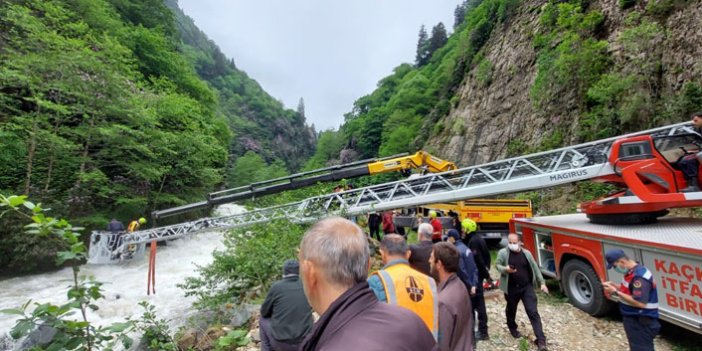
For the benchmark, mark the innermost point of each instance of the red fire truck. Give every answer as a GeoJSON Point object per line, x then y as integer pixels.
{"type": "Point", "coordinates": [571, 248]}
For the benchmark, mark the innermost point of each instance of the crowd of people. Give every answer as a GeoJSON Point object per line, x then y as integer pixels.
{"type": "Point", "coordinates": [427, 296]}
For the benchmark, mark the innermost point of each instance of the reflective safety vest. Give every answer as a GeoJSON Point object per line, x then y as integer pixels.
{"type": "Point", "coordinates": [133, 226]}
{"type": "Point", "coordinates": [651, 309]}
{"type": "Point", "coordinates": [413, 290]}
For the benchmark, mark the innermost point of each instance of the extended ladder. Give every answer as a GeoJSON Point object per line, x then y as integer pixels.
{"type": "Point", "coordinates": [535, 171]}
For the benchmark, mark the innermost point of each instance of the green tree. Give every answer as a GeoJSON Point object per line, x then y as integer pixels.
{"type": "Point", "coordinates": [423, 55]}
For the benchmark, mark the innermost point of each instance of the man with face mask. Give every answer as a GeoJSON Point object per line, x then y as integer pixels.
{"type": "Point", "coordinates": [334, 263]}
{"type": "Point", "coordinates": [519, 273]}
{"type": "Point", "coordinates": [638, 300]}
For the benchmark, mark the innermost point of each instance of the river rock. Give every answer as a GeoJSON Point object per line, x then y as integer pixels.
{"type": "Point", "coordinates": [188, 340]}
{"type": "Point", "coordinates": [243, 313]}
{"type": "Point", "coordinates": [40, 336]}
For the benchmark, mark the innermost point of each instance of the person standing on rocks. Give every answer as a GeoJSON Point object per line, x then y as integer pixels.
{"type": "Point", "coordinates": [455, 326]}
{"type": "Point", "coordinates": [334, 263]}
{"type": "Point", "coordinates": [519, 273]}
{"type": "Point", "coordinates": [638, 300]}
{"type": "Point", "coordinates": [286, 316]}
{"type": "Point", "coordinates": [420, 252]}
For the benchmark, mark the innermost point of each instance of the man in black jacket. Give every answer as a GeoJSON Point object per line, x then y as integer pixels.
{"type": "Point", "coordinates": [286, 316]}
{"type": "Point", "coordinates": [481, 254]}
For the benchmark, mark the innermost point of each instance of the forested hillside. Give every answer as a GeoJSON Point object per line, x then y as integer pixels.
{"type": "Point", "coordinates": [517, 76]}
{"type": "Point", "coordinates": [113, 108]}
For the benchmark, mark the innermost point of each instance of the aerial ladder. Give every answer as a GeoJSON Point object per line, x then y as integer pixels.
{"type": "Point", "coordinates": [636, 159]}
{"type": "Point", "coordinates": [421, 162]}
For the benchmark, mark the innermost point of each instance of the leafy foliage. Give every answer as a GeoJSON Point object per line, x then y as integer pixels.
{"type": "Point", "coordinates": [71, 334]}
{"type": "Point", "coordinates": [251, 260]}
{"type": "Point", "coordinates": [155, 332]}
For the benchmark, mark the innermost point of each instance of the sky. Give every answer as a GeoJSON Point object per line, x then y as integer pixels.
{"type": "Point", "coordinates": [329, 52]}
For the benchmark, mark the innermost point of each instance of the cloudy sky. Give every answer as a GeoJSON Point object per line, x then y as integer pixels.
{"type": "Point", "coordinates": [329, 52]}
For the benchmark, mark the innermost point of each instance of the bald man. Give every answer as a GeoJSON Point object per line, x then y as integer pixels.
{"type": "Point", "coordinates": [334, 263]}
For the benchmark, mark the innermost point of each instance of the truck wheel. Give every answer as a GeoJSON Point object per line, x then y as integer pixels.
{"type": "Point", "coordinates": [627, 218]}
{"type": "Point", "coordinates": [584, 288]}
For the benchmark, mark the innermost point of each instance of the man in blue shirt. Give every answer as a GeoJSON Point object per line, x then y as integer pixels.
{"type": "Point", "coordinates": [638, 300]}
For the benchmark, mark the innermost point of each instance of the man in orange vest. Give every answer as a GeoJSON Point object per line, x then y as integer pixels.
{"type": "Point", "coordinates": [399, 284]}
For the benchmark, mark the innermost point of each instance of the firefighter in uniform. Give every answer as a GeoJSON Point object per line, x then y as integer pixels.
{"type": "Point", "coordinates": [399, 284]}
{"type": "Point", "coordinates": [638, 300]}
{"type": "Point", "coordinates": [133, 227]}
{"type": "Point", "coordinates": [136, 224]}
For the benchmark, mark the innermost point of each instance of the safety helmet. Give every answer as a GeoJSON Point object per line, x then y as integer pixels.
{"type": "Point", "coordinates": [468, 225]}
{"type": "Point", "coordinates": [432, 214]}
{"type": "Point", "coordinates": [142, 220]}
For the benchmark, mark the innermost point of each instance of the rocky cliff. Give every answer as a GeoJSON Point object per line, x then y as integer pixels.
{"type": "Point", "coordinates": [649, 73]}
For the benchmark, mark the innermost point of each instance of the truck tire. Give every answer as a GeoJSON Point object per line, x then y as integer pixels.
{"type": "Point", "coordinates": [584, 288]}
{"type": "Point", "coordinates": [627, 218]}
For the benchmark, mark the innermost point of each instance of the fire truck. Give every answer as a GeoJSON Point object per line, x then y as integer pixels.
{"type": "Point", "coordinates": [571, 248]}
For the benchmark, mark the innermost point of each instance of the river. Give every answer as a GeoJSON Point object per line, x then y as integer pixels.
{"type": "Point", "coordinates": [124, 284]}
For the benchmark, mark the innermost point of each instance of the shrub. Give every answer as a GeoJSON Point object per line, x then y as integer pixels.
{"type": "Point", "coordinates": [251, 260]}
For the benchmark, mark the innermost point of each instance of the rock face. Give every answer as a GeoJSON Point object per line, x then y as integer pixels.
{"type": "Point", "coordinates": [486, 118]}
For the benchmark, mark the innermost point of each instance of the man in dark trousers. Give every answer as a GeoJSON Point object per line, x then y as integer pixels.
{"type": "Point", "coordinates": [286, 316]}
{"type": "Point", "coordinates": [481, 254]}
{"type": "Point", "coordinates": [690, 164]}
{"type": "Point", "coordinates": [519, 273]}
{"type": "Point", "coordinates": [334, 262]}
{"type": "Point", "coordinates": [420, 252]}
{"type": "Point", "coordinates": [467, 270]}
{"type": "Point", "coordinates": [374, 221]}
{"type": "Point", "coordinates": [638, 300]}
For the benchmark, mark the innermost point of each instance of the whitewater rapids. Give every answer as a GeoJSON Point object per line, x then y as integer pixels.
{"type": "Point", "coordinates": [124, 284]}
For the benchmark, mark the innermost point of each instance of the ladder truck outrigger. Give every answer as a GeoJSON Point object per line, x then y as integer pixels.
{"type": "Point", "coordinates": [644, 165]}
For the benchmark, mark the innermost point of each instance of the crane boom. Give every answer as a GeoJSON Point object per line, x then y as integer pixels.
{"type": "Point", "coordinates": [400, 162]}
{"type": "Point", "coordinates": [518, 174]}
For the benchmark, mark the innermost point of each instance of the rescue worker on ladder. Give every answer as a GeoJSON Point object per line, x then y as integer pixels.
{"type": "Point", "coordinates": [136, 224]}
{"type": "Point", "coordinates": [133, 227]}
{"type": "Point", "coordinates": [638, 300]}
{"type": "Point", "coordinates": [399, 284]}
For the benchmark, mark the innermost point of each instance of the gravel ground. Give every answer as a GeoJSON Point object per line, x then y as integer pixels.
{"type": "Point", "coordinates": [566, 328]}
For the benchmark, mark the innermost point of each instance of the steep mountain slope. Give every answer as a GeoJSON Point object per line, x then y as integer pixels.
{"type": "Point", "coordinates": [259, 121]}
{"type": "Point", "coordinates": [518, 76]}
{"type": "Point", "coordinates": [108, 111]}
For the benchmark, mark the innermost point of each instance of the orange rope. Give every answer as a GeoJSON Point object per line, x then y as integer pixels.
{"type": "Point", "coordinates": [151, 279]}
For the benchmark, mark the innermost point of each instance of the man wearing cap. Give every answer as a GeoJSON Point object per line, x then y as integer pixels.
{"type": "Point", "coordinates": [286, 316]}
{"type": "Point", "coordinates": [638, 300]}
